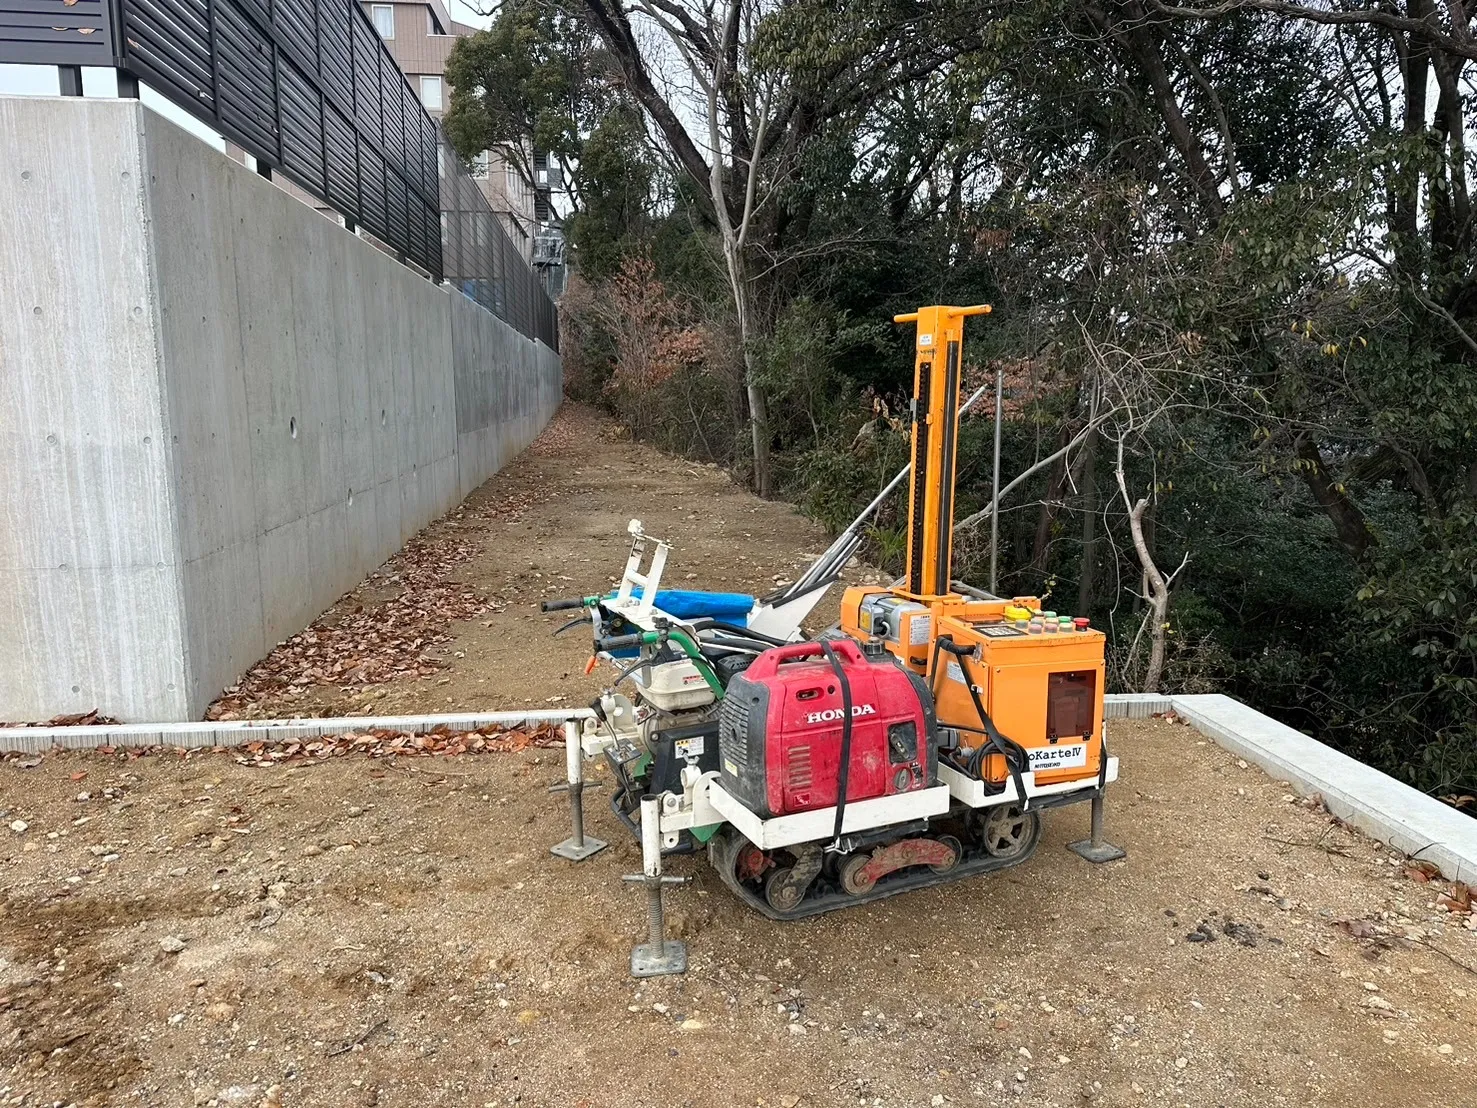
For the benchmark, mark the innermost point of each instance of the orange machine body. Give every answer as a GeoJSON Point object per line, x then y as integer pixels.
{"type": "Point", "coordinates": [1041, 688]}
{"type": "Point", "coordinates": [1044, 690]}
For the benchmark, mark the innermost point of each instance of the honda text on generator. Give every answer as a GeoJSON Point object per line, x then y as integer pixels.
{"type": "Point", "coordinates": [916, 742]}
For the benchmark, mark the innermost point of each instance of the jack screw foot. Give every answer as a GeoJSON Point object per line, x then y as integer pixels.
{"type": "Point", "coordinates": [578, 846]}
{"type": "Point", "coordinates": [1096, 849]}
{"type": "Point", "coordinates": [660, 955]}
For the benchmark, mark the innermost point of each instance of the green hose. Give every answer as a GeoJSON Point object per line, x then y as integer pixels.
{"type": "Point", "coordinates": [682, 639]}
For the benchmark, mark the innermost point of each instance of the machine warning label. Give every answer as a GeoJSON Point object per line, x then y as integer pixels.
{"type": "Point", "coordinates": [955, 673]}
{"type": "Point", "coordinates": [1065, 756]}
{"type": "Point", "coordinates": [920, 630]}
{"type": "Point", "coordinates": [689, 748]}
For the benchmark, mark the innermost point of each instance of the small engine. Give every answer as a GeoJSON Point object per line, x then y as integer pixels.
{"type": "Point", "coordinates": [780, 729]}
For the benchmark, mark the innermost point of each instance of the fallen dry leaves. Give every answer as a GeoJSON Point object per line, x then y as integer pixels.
{"type": "Point", "coordinates": [560, 435]}
{"type": "Point", "coordinates": [366, 641]}
{"type": "Point", "coordinates": [371, 742]}
{"type": "Point", "coordinates": [76, 719]}
{"type": "Point", "coordinates": [381, 743]}
{"type": "Point", "coordinates": [1360, 928]}
{"type": "Point", "coordinates": [1456, 898]}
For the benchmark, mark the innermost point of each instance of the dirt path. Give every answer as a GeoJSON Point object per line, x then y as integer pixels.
{"type": "Point", "coordinates": [195, 931]}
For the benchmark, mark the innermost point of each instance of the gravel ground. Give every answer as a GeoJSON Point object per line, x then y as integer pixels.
{"type": "Point", "coordinates": [193, 930]}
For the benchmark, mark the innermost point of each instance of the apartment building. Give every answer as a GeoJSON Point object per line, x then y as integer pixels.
{"type": "Point", "coordinates": [420, 37]}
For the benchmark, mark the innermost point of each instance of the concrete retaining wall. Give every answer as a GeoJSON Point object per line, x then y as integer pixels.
{"type": "Point", "coordinates": [497, 415]}
{"type": "Point", "coordinates": [218, 411]}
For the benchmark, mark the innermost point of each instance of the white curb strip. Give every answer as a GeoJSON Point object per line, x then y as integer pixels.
{"type": "Point", "coordinates": [1392, 812]}
{"type": "Point", "coordinates": [38, 740]}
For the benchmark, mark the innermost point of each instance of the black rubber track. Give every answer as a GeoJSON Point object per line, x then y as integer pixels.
{"type": "Point", "coordinates": [826, 896]}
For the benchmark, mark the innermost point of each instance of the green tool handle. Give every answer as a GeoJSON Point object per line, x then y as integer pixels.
{"type": "Point", "coordinates": [653, 638]}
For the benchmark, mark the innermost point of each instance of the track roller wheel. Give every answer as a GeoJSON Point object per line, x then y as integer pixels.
{"type": "Point", "coordinates": [956, 846]}
{"type": "Point", "coordinates": [854, 878]}
{"type": "Point", "coordinates": [1007, 832]}
{"type": "Point", "coordinates": [782, 892]}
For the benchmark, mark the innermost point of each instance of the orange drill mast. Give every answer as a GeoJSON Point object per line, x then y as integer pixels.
{"type": "Point", "coordinates": [992, 663]}
{"type": "Point", "coordinates": [937, 369]}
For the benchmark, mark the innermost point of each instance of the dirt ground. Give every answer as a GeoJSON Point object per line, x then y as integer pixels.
{"type": "Point", "coordinates": [192, 930]}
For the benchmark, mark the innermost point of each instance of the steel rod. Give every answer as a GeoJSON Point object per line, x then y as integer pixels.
{"type": "Point", "coordinates": [995, 486]}
{"type": "Point", "coordinates": [839, 552]}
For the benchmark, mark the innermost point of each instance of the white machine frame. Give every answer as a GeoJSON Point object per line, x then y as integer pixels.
{"type": "Point", "coordinates": [635, 597]}
{"type": "Point", "coordinates": [703, 801]}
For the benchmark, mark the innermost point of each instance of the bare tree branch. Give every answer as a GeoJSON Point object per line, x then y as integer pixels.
{"type": "Point", "coordinates": [1459, 43]}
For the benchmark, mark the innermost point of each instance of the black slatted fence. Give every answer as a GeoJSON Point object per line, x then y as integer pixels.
{"type": "Point", "coordinates": [308, 88]}
{"type": "Point", "coordinates": [482, 261]}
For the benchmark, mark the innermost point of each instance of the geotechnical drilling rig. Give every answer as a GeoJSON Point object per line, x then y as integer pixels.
{"type": "Point", "coordinates": [915, 742]}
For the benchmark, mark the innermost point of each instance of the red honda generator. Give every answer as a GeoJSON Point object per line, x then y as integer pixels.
{"type": "Point", "coordinates": [781, 733]}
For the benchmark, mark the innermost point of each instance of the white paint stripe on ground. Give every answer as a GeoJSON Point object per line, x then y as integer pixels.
{"type": "Point", "coordinates": [1376, 803]}
{"type": "Point", "coordinates": [36, 740]}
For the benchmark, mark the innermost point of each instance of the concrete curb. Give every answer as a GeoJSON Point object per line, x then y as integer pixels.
{"type": "Point", "coordinates": [1377, 804]}
{"type": "Point", "coordinates": [38, 740]}
{"type": "Point", "coordinates": [1390, 811]}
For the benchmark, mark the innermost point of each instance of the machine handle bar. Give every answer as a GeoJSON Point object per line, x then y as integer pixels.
{"type": "Point", "coordinates": [565, 605]}
{"type": "Point", "coordinates": [619, 642]}
{"type": "Point", "coordinates": [973, 309]}
{"type": "Point", "coordinates": [770, 661]}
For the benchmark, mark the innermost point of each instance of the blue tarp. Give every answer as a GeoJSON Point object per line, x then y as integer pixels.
{"type": "Point", "coordinates": [730, 607]}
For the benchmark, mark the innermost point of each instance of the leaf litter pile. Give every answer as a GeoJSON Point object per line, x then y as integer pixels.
{"type": "Point", "coordinates": [92, 718]}
{"type": "Point", "coordinates": [362, 641]}
{"type": "Point", "coordinates": [377, 742]}
{"type": "Point", "coordinates": [373, 742]}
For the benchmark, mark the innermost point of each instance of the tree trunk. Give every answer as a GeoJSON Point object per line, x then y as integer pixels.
{"type": "Point", "coordinates": [738, 280]}
{"type": "Point", "coordinates": [1348, 520]}
{"type": "Point", "coordinates": [1156, 585]}
{"type": "Point", "coordinates": [1057, 479]}
{"type": "Point", "coordinates": [758, 426]}
{"type": "Point", "coordinates": [1157, 596]}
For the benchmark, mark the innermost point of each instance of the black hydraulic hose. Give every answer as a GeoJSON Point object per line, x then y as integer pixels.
{"type": "Point", "coordinates": [740, 631]}
{"type": "Point", "coordinates": [726, 642]}
{"type": "Point", "coordinates": [844, 771]}
{"type": "Point", "coordinates": [1015, 756]}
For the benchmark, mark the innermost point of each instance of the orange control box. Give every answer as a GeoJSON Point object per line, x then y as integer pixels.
{"type": "Point", "coordinates": [1042, 690]}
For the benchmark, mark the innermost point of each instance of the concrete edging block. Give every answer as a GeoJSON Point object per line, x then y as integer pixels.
{"type": "Point", "coordinates": [235, 732]}
{"type": "Point", "coordinates": [1376, 803]}
{"type": "Point", "coordinates": [1134, 705]}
